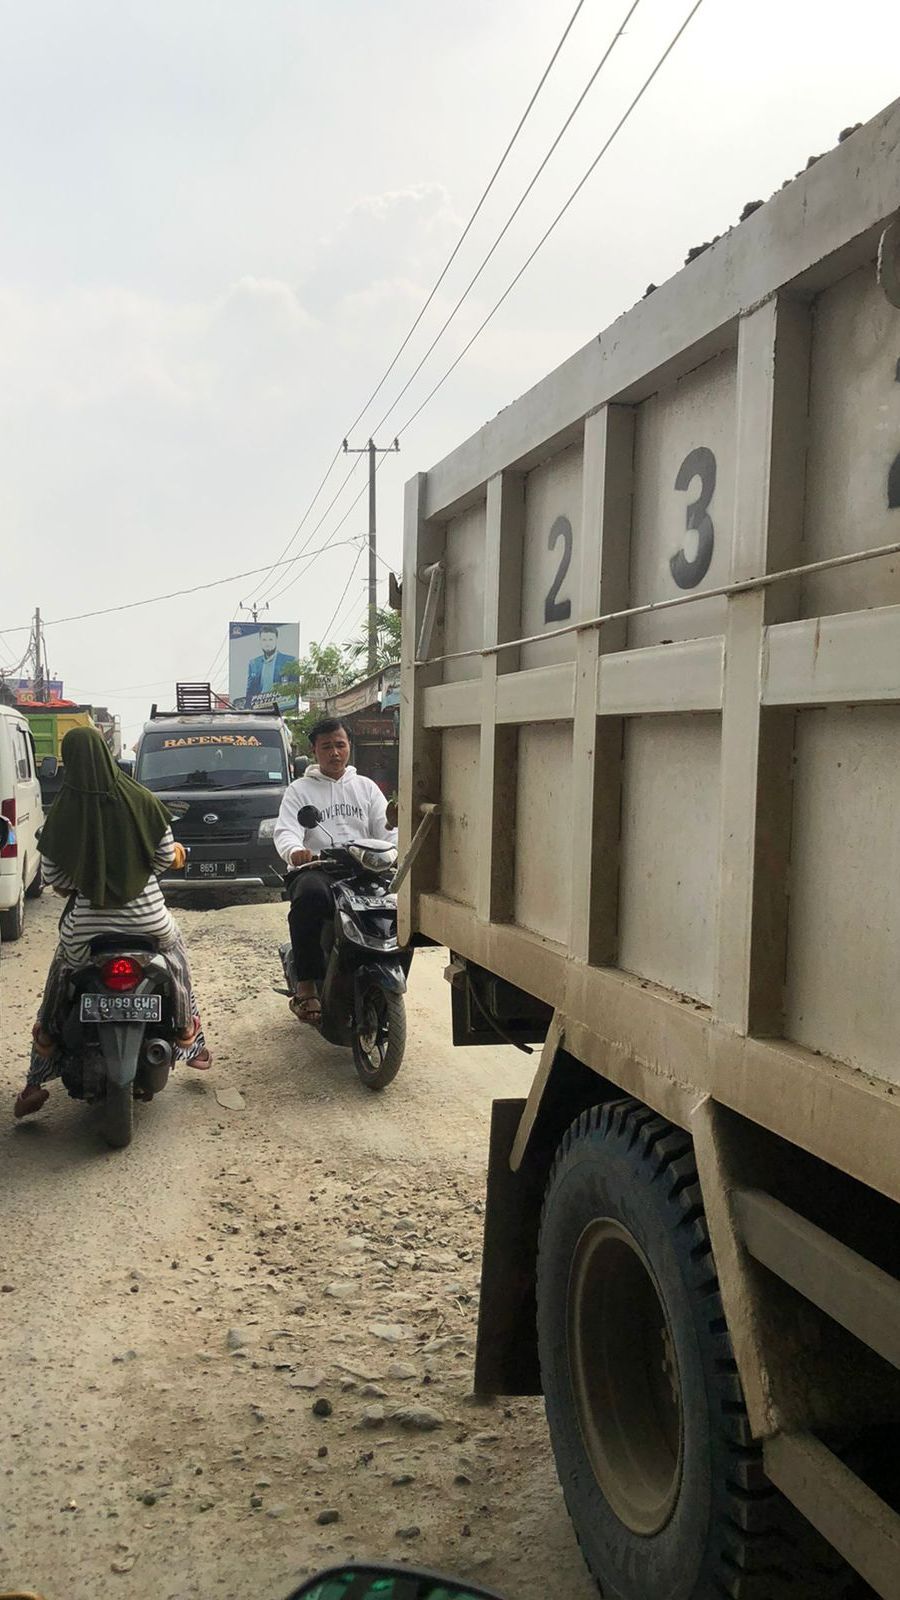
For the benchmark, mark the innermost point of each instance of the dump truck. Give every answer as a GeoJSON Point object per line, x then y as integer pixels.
{"type": "Point", "coordinates": [650, 798]}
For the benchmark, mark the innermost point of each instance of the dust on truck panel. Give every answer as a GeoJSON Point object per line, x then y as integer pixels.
{"type": "Point", "coordinates": [598, 789]}
{"type": "Point", "coordinates": [651, 674]}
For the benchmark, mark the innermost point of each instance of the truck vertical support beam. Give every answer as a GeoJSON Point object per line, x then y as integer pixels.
{"type": "Point", "coordinates": [597, 742]}
{"type": "Point", "coordinates": [773, 376]}
{"type": "Point", "coordinates": [420, 750]}
{"type": "Point", "coordinates": [504, 529]}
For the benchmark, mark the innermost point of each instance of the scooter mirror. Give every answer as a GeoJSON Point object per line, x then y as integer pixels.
{"type": "Point", "coordinates": [309, 817]}
{"type": "Point", "coordinates": [386, 1583]}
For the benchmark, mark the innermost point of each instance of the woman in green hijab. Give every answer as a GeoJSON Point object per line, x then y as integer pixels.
{"type": "Point", "coordinates": [104, 846]}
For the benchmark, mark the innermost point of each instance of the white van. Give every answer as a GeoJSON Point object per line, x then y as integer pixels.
{"type": "Point", "coordinates": [20, 804]}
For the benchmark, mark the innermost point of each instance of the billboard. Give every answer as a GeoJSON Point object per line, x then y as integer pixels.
{"type": "Point", "coordinates": [25, 689]}
{"type": "Point", "coordinates": [259, 655]}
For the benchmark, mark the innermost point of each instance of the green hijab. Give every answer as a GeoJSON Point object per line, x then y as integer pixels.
{"type": "Point", "coordinates": [104, 828]}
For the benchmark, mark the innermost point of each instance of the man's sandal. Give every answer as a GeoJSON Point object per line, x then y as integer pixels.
{"type": "Point", "coordinates": [306, 1008]}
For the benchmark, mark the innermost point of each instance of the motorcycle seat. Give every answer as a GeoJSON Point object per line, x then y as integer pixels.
{"type": "Point", "coordinates": [110, 943]}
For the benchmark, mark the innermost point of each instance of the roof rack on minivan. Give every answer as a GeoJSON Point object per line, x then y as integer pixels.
{"type": "Point", "coordinates": [196, 700]}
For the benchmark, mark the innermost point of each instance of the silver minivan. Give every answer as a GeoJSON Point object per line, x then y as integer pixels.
{"type": "Point", "coordinates": [20, 804]}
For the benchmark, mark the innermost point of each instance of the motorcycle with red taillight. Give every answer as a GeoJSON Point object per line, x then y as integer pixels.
{"type": "Point", "coordinates": [118, 1030]}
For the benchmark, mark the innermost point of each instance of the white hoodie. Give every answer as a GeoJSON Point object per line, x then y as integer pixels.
{"type": "Point", "coordinates": [352, 807]}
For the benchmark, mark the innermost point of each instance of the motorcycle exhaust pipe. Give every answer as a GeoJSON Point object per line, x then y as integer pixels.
{"type": "Point", "coordinates": [158, 1053]}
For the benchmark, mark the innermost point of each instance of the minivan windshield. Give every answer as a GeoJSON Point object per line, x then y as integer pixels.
{"type": "Point", "coordinates": [211, 758]}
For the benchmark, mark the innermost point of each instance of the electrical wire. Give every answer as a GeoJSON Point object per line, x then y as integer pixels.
{"type": "Point", "coordinates": [617, 35]}
{"type": "Point", "coordinates": [343, 594]}
{"type": "Point", "coordinates": [157, 599]}
{"type": "Point", "coordinates": [344, 626]}
{"type": "Point", "coordinates": [11, 672]}
{"type": "Point", "coordinates": [431, 295]}
{"type": "Point", "coordinates": [266, 588]}
{"type": "Point", "coordinates": [468, 227]}
{"type": "Point", "coordinates": [330, 544]}
{"type": "Point", "coordinates": [253, 572]}
{"type": "Point", "coordinates": [309, 509]}
{"type": "Point", "coordinates": [556, 220]}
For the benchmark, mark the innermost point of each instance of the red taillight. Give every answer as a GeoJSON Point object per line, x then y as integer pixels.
{"type": "Point", "coordinates": [122, 974]}
{"type": "Point", "coordinates": [8, 809]}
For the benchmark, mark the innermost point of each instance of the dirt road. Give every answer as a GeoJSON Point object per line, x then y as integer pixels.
{"type": "Point", "coordinates": [172, 1313]}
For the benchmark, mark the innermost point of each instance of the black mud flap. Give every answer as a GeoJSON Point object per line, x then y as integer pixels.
{"type": "Point", "coordinates": [506, 1360]}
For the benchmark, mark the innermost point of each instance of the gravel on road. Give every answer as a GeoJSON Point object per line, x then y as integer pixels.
{"type": "Point", "coordinates": [243, 1347]}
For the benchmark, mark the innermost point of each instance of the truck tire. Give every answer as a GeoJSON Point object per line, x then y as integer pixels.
{"type": "Point", "coordinates": [661, 1476]}
{"type": "Point", "coordinates": [12, 922]}
{"type": "Point", "coordinates": [379, 1037]}
{"type": "Point", "coordinates": [36, 887]}
{"type": "Point", "coordinates": [118, 1115]}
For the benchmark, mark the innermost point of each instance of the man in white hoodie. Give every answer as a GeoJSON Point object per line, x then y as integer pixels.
{"type": "Point", "coordinates": [352, 807]}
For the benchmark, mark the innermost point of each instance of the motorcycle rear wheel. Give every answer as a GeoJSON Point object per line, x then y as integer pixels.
{"type": "Point", "coordinates": [118, 1115]}
{"type": "Point", "coordinates": [379, 1037]}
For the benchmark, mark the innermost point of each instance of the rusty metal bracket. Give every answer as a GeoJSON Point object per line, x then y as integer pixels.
{"type": "Point", "coordinates": [429, 812]}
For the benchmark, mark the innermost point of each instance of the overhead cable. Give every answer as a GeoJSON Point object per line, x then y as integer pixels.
{"type": "Point", "coordinates": [618, 34]}
{"type": "Point", "coordinates": [556, 220]}
{"type": "Point", "coordinates": [468, 227]}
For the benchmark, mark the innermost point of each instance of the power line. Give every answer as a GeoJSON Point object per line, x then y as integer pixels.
{"type": "Point", "coordinates": [431, 295]}
{"type": "Point", "coordinates": [174, 594]}
{"type": "Point", "coordinates": [556, 220]}
{"type": "Point", "coordinates": [343, 594]}
{"type": "Point", "coordinates": [10, 672]}
{"type": "Point", "coordinates": [617, 35]}
{"type": "Point", "coordinates": [313, 531]}
{"type": "Point", "coordinates": [309, 509]}
{"type": "Point", "coordinates": [344, 626]}
{"type": "Point", "coordinates": [330, 544]}
{"type": "Point", "coordinates": [468, 227]}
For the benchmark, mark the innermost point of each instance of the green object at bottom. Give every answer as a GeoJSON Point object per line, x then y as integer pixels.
{"type": "Point", "coordinates": [386, 1586]}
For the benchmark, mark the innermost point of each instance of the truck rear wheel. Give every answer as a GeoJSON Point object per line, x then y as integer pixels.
{"type": "Point", "coordinates": [662, 1479]}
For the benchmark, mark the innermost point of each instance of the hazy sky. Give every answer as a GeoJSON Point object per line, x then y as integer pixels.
{"type": "Point", "coordinates": [218, 219]}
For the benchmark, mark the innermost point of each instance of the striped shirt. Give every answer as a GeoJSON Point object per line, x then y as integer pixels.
{"type": "Point", "coordinates": [147, 914]}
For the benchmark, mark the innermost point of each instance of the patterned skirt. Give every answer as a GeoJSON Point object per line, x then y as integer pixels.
{"type": "Point", "coordinates": [184, 1007]}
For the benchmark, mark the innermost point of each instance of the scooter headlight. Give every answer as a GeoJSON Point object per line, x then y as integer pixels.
{"type": "Point", "coordinates": [350, 929]}
{"type": "Point", "coordinates": [375, 857]}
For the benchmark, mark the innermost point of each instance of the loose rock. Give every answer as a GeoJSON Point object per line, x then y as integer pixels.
{"type": "Point", "coordinates": [231, 1099]}
{"type": "Point", "coordinates": [342, 1290]}
{"type": "Point", "coordinates": [372, 1417]}
{"type": "Point", "coordinates": [418, 1419]}
{"type": "Point", "coordinates": [390, 1332]}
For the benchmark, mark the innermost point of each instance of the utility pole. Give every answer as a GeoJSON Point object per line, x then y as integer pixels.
{"type": "Point", "coordinates": [38, 656]}
{"type": "Point", "coordinates": [372, 450]}
{"type": "Point", "coordinates": [254, 610]}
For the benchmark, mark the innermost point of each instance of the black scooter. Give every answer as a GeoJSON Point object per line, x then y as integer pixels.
{"type": "Point", "coordinates": [365, 970]}
{"type": "Point", "coordinates": [118, 1032]}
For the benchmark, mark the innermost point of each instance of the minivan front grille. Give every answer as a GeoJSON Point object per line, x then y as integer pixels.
{"type": "Point", "coordinates": [210, 833]}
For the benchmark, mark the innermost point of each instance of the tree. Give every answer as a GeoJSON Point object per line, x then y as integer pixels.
{"type": "Point", "coordinates": [387, 642]}
{"type": "Point", "coordinates": [323, 671]}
